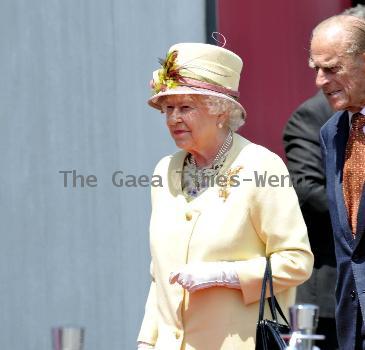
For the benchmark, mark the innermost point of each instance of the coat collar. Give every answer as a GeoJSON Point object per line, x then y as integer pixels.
{"type": "Point", "coordinates": [177, 162]}
{"type": "Point", "coordinates": [340, 141]}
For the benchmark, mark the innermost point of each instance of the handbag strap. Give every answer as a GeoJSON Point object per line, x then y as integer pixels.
{"type": "Point", "coordinates": [273, 303]}
{"type": "Point", "coordinates": [278, 308]}
{"type": "Point", "coordinates": [263, 293]}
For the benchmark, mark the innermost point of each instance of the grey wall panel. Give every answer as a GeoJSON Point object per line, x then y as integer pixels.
{"type": "Point", "coordinates": [74, 81]}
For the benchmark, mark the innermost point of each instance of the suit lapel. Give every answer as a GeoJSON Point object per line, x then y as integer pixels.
{"type": "Point", "coordinates": [360, 229]}
{"type": "Point", "coordinates": [340, 140]}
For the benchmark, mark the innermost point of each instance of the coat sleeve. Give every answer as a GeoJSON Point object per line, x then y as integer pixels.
{"type": "Point", "coordinates": [278, 221]}
{"type": "Point", "coordinates": [148, 332]}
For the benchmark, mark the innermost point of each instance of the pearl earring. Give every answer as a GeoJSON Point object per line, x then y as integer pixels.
{"type": "Point", "coordinates": [220, 126]}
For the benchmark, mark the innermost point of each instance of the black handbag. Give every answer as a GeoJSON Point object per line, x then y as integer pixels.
{"type": "Point", "coordinates": [268, 332]}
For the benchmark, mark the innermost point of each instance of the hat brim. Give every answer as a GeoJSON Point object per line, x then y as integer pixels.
{"type": "Point", "coordinates": [187, 90]}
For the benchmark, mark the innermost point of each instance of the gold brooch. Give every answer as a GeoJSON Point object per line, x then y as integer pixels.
{"type": "Point", "coordinates": [228, 181]}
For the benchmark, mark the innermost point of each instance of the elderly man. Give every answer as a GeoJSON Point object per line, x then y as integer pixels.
{"type": "Point", "coordinates": [303, 152]}
{"type": "Point", "coordinates": [338, 55]}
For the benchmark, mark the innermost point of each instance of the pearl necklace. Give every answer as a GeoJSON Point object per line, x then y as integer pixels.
{"type": "Point", "coordinates": [222, 151]}
{"type": "Point", "coordinates": [202, 174]}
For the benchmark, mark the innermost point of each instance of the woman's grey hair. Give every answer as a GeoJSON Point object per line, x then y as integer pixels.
{"type": "Point", "coordinates": [218, 105]}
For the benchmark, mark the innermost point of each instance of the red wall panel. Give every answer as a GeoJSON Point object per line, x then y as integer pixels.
{"type": "Point", "coordinates": [273, 37]}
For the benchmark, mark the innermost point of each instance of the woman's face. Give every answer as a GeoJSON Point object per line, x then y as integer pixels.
{"type": "Point", "coordinates": [190, 124]}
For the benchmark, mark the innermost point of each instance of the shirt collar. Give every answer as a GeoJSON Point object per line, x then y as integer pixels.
{"type": "Point", "coordinates": [351, 114]}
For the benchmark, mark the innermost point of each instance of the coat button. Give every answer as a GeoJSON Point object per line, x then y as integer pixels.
{"type": "Point", "coordinates": [188, 216]}
{"type": "Point", "coordinates": [353, 295]}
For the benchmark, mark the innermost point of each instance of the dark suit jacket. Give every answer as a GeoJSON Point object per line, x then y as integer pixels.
{"type": "Point", "coordinates": [302, 147]}
{"type": "Point", "coordinates": [350, 253]}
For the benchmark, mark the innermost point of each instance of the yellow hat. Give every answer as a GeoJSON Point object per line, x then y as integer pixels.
{"type": "Point", "coordinates": [194, 68]}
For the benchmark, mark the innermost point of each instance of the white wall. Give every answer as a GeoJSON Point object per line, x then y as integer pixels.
{"type": "Point", "coordinates": [73, 84]}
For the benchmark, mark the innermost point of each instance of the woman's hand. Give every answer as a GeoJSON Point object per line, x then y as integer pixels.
{"type": "Point", "coordinates": [200, 275]}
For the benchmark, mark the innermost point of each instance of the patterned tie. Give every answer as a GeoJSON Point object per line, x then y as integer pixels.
{"type": "Point", "coordinates": [354, 168]}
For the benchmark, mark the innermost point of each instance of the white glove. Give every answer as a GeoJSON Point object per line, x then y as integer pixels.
{"type": "Point", "coordinates": [144, 346]}
{"type": "Point", "coordinates": [200, 275]}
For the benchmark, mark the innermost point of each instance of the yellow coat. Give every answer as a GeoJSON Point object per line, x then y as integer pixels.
{"type": "Point", "coordinates": [253, 222]}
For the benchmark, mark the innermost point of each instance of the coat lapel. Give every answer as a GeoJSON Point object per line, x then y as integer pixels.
{"type": "Point", "coordinates": [340, 140]}
{"type": "Point", "coordinates": [175, 172]}
{"type": "Point", "coordinates": [360, 229]}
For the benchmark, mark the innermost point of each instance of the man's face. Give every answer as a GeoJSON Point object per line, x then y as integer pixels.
{"type": "Point", "coordinates": [340, 75]}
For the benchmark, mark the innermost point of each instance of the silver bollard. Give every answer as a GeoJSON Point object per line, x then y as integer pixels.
{"type": "Point", "coordinates": [68, 338]}
{"type": "Point", "coordinates": [303, 321]}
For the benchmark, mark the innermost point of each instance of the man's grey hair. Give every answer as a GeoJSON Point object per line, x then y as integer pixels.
{"type": "Point", "coordinates": [357, 11]}
{"type": "Point", "coordinates": [354, 28]}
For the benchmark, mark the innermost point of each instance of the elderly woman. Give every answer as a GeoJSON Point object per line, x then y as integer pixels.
{"type": "Point", "coordinates": [212, 224]}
